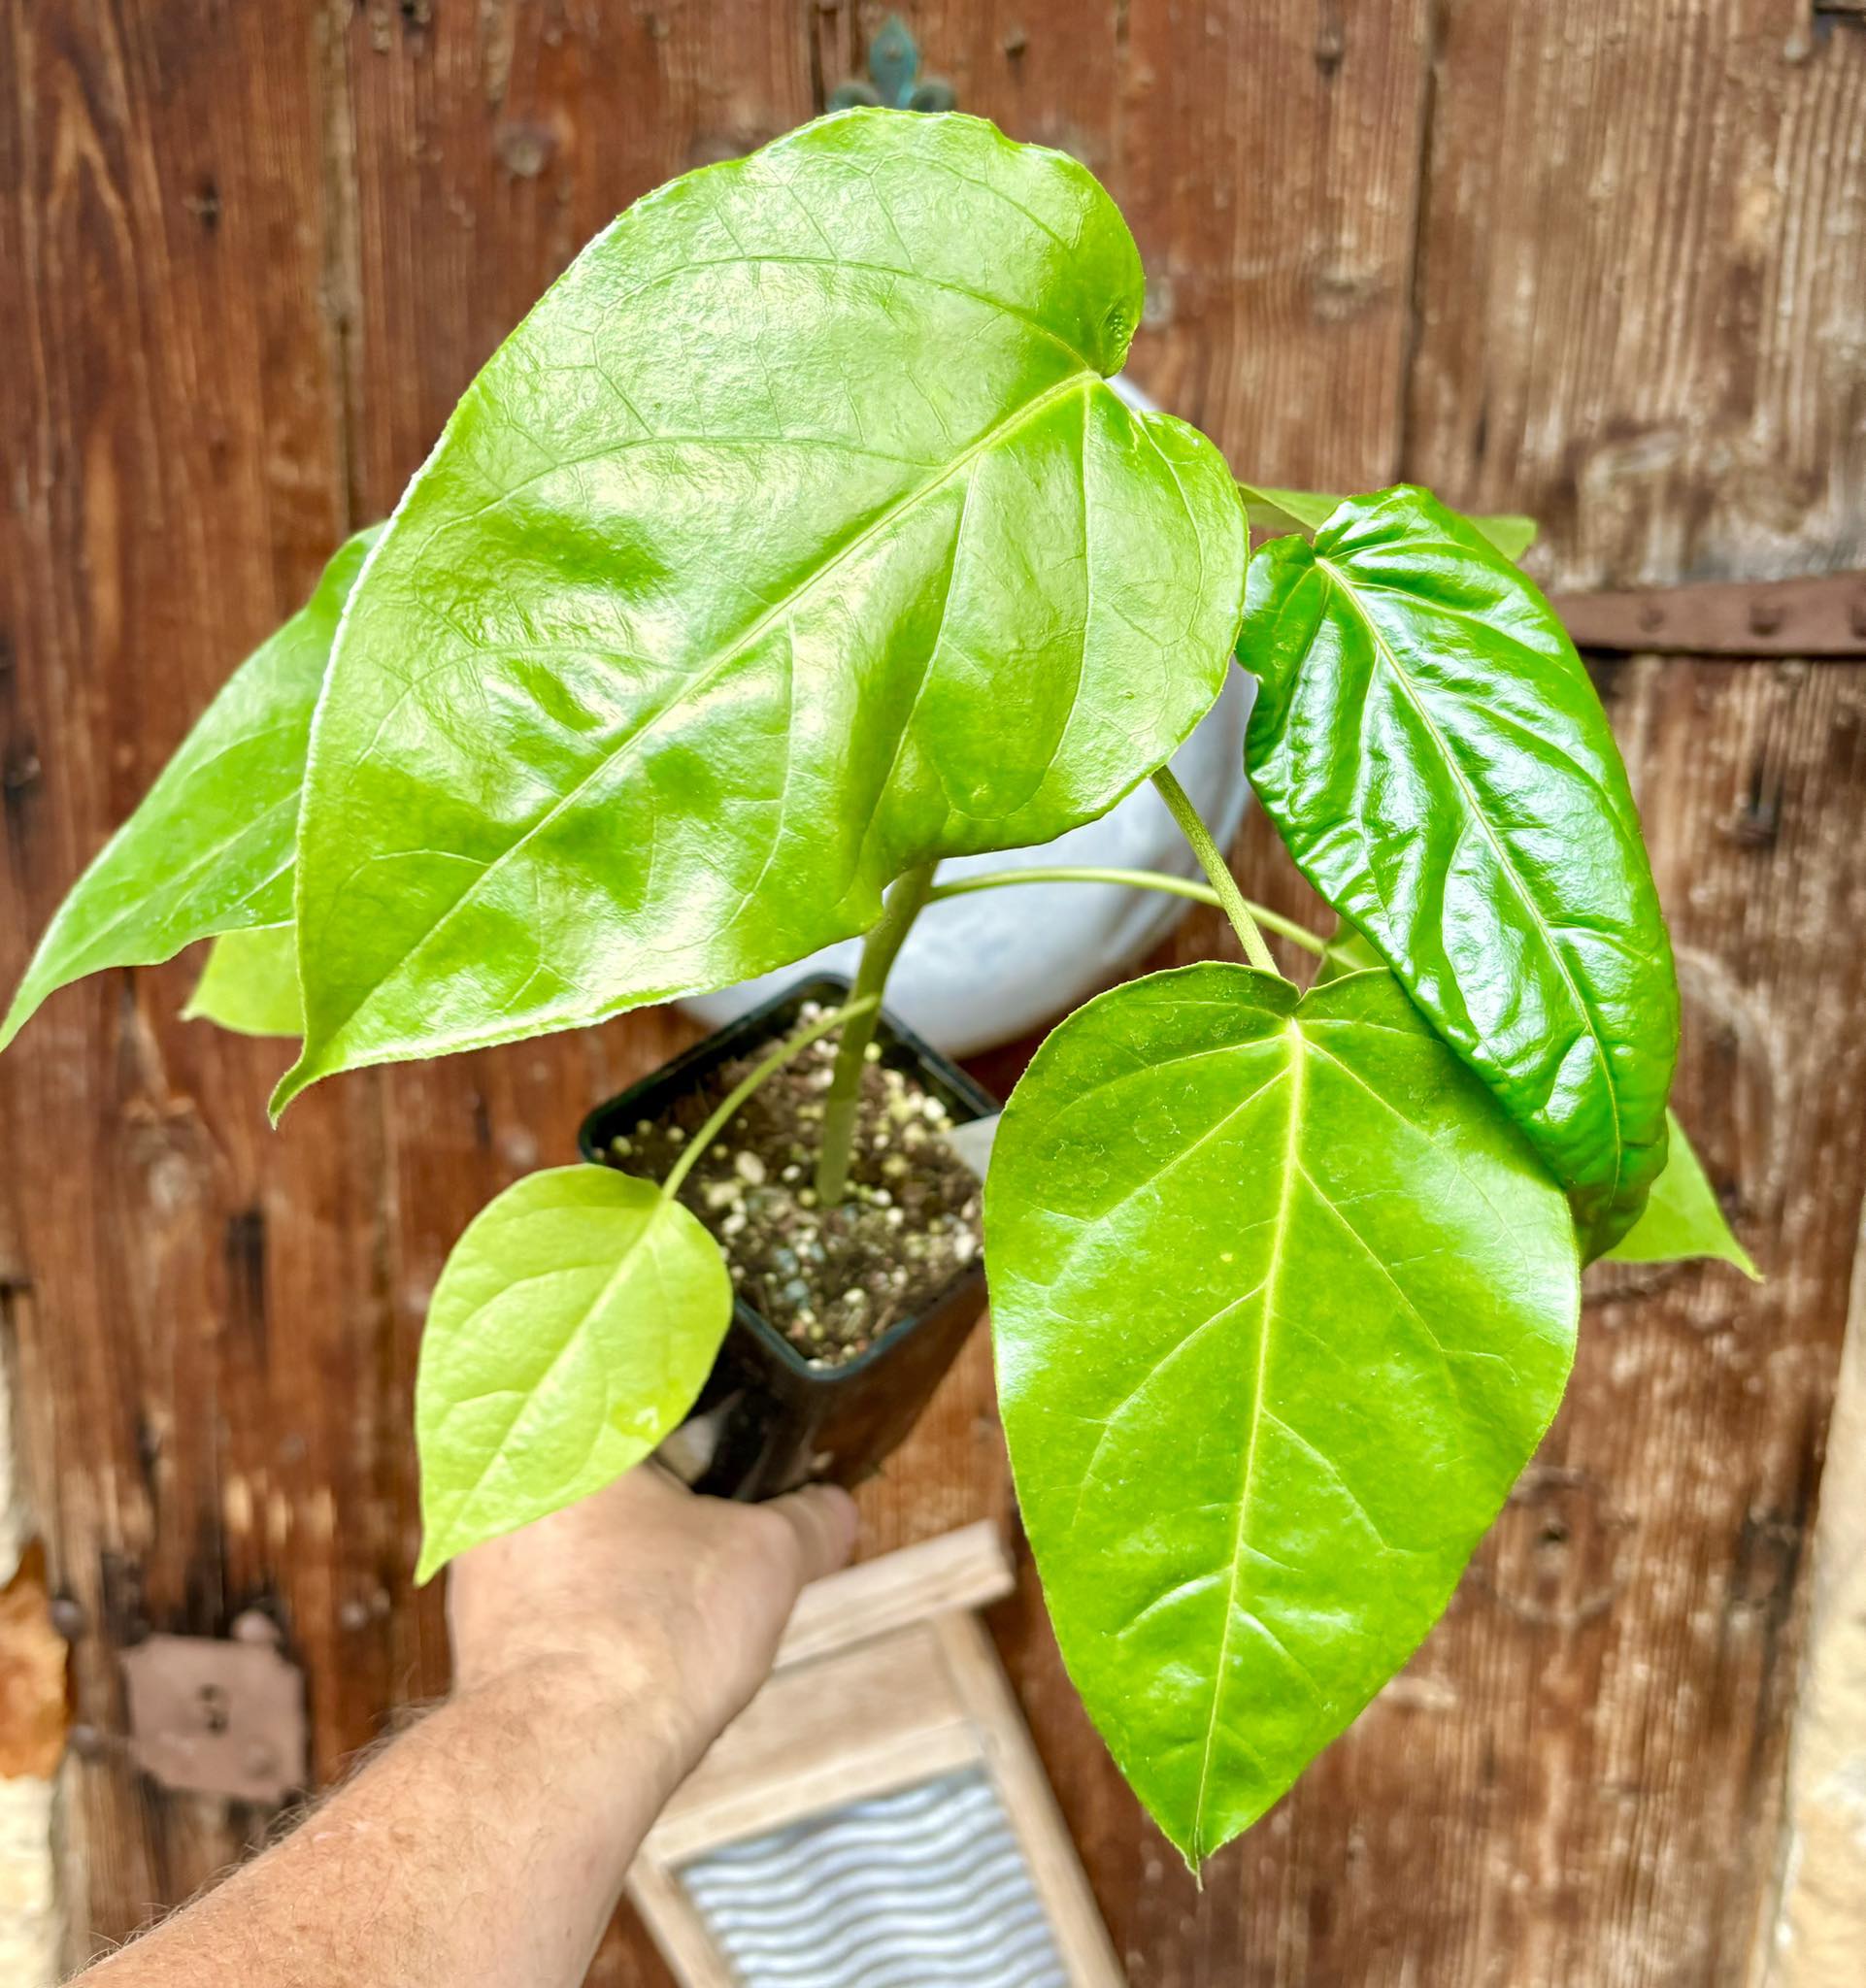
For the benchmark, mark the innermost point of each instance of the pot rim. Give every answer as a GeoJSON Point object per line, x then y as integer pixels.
{"type": "Point", "coordinates": [754, 1024]}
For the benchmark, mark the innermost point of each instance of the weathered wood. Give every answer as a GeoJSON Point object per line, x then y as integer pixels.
{"type": "Point", "coordinates": [1601, 262]}
{"type": "Point", "coordinates": [1642, 258]}
{"type": "Point", "coordinates": [189, 1296]}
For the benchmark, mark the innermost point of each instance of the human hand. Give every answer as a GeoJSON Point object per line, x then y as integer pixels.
{"type": "Point", "coordinates": [647, 1600]}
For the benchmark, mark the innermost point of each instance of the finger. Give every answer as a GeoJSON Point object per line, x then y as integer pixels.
{"type": "Point", "coordinates": [822, 1519]}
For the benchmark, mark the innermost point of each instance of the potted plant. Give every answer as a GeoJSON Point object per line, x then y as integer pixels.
{"type": "Point", "coordinates": [794, 543]}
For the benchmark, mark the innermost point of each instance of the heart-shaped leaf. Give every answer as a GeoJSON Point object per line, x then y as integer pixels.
{"type": "Point", "coordinates": [250, 983]}
{"type": "Point", "coordinates": [1433, 753]}
{"type": "Point", "coordinates": [573, 1327]}
{"type": "Point", "coordinates": [793, 540]}
{"type": "Point", "coordinates": [1308, 510]}
{"type": "Point", "coordinates": [1283, 1304]}
{"type": "Point", "coordinates": [1683, 1216]}
{"type": "Point", "coordinates": [211, 848]}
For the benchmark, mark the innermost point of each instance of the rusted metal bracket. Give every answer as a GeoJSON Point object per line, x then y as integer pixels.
{"type": "Point", "coordinates": [1822, 615]}
{"type": "Point", "coordinates": [219, 1718]}
{"type": "Point", "coordinates": [894, 76]}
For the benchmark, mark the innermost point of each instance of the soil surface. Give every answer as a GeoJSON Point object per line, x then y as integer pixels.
{"type": "Point", "coordinates": [832, 1280]}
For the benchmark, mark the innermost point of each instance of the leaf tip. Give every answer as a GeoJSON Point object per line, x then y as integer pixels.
{"type": "Point", "coordinates": [298, 1078]}
{"type": "Point", "coordinates": [27, 999]}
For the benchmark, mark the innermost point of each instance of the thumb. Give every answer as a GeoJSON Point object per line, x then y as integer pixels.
{"type": "Point", "coordinates": [822, 1520]}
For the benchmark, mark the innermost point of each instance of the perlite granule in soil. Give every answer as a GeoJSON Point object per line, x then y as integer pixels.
{"type": "Point", "coordinates": [832, 1280]}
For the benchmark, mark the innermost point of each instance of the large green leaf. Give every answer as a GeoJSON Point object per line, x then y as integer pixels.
{"type": "Point", "coordinates": [794, 539]}
{"type": "Point", "coordinates": [1683, 1216]}
{"type": "Point", "coordinates": [1308, 510]}
{"type": "Point", "coordinates": [250, 983]}
{"type": "Point", "coordinates": [1283, 1304]}
{"type": "Point", "coordinates": [211, 848]}
{"type": "Point", "coordinates": [572, 1328]}
{"type": "Point", "coordinates": [1435, 756]}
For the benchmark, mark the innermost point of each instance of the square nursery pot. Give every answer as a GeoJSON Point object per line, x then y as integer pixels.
{"type": "Point", "coordinates": [767, 1420]}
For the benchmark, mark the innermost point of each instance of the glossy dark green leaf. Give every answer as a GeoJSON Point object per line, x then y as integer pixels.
{"type": "Point", "coordinates": [1436, 758]}
{"type": "Point", "coordinates": [1308, 510]}
{"type": "Point", "coordinates": [573, 1327]}
{"type": "Point", "coordinates": [1283, 1304]}
{"type": "Point", "coordinates": [250, 983]}
{"type": "Point", "coordinates": [211, 848]}
{"type": "Point", "coordinates": [1683, 1216]}
{"type": "Point", "coordinates": [795, 538]}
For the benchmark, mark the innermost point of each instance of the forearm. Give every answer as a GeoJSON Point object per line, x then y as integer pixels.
{"type": "Point", "coordinates": [596, 1654]}
{"type": "Point", "coordinates": [484, 1847]}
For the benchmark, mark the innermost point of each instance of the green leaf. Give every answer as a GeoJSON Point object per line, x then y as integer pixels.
{"type": "Point", "coordinates": [1308, 510]}
{"type": "Point", "coordinates": [1348, 953]}
{"type": "Point", "coordinates": [250, 983]}
{"type": "Point", "coordinates": [209, 849]}
{"type": "Point", "coordinates": [573, 1327]}
{"type": "Point", "coordinates": [1435, 756]}
{"type": "Point", "coordinates": [795, 538]}
{"type": "Point", "coordinates": [1682, 1217]}
{"type": "Point", "coordinates": [1511, 534]}
{"type": "Point", "coordinates": [1283, 1304]}
{"type": "Point", "coordinates": [1287, 511]}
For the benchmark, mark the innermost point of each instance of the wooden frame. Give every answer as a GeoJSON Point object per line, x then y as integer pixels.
{"type": "Point", "coordinates": [885, 1678]}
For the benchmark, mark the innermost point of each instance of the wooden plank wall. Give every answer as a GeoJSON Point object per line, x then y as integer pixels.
{"type": "Point", "coordinates": [1604, 262]}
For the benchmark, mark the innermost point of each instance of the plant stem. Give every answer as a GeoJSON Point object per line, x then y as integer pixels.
{"type": "Point", "coordinates": [1134, 879]}
{"type": "Point", "coordinates": [905, 903]}
{"type": "Point", "coordinates": [791, 1045]}
{"type": "Point", "coordinates": [1230, 898]}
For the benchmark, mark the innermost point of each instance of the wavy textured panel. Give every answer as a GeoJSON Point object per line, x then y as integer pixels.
{"type": "Point", "coordinates": [910, 1890]}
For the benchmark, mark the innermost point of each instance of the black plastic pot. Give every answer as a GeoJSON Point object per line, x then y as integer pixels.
{"type": "Point", "coordinates": [774, 1420]}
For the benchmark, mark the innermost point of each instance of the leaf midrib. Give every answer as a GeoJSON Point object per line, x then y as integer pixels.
{"type": "Point", "coordinates": [574, 1332]}
{"type": "Point", "coordinates": [1364, 616]}
{"type": "Point", "coordinates": [1040, 404]}
{"type": "Point", "coordinates": [1267, 1300]}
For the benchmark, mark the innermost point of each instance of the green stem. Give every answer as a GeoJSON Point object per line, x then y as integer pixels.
{"type": "Point", "coordinates": [792, 1045]}
{"type": "Point", "coordinates": [905, 903]}
{"type": "Point", "coordinates": [1133, 879]}
{"type": "Point", "coordinates": [1230, 897]}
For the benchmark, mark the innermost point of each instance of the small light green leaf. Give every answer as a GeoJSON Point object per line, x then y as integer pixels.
{"type": "Point", "coordinates": [1287, 511]}
{"type": "Point", "coordinates": [211, 848]}
{"type": "Point", "coordinates": [573, 1327]}
{"type": "Point", "coordinates": [1348, 953]}
{"type": "Point", "coordinates": [1308, 510]}
{"type": "Point", "coordinates": [1283, 1304]}
{"type": "Point", "coordinates": [1432, 751]}
{"type": "Point", "coordinates": [794, 539]}
{"type": "Point", "coordinates": [250, 983]}
{"type": "Point", "coordinates": [1509, 534]}
{"type": "Point", "coordinates": [1682, 1217]}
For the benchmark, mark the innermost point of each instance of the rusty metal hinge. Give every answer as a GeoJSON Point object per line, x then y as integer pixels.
{"type": "Point", "coordinates": [1821, 615]}
{"type": "Point", "coordinates": [218, 1716]}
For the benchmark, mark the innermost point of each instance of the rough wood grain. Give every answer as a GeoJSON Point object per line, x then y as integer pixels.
{"type": "Point", "coordinates": [1602, 262]}
{"type": "Point", "coordinates": [1641, 259]}
{"type": "Point", "coordinates": [188, 1295]}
